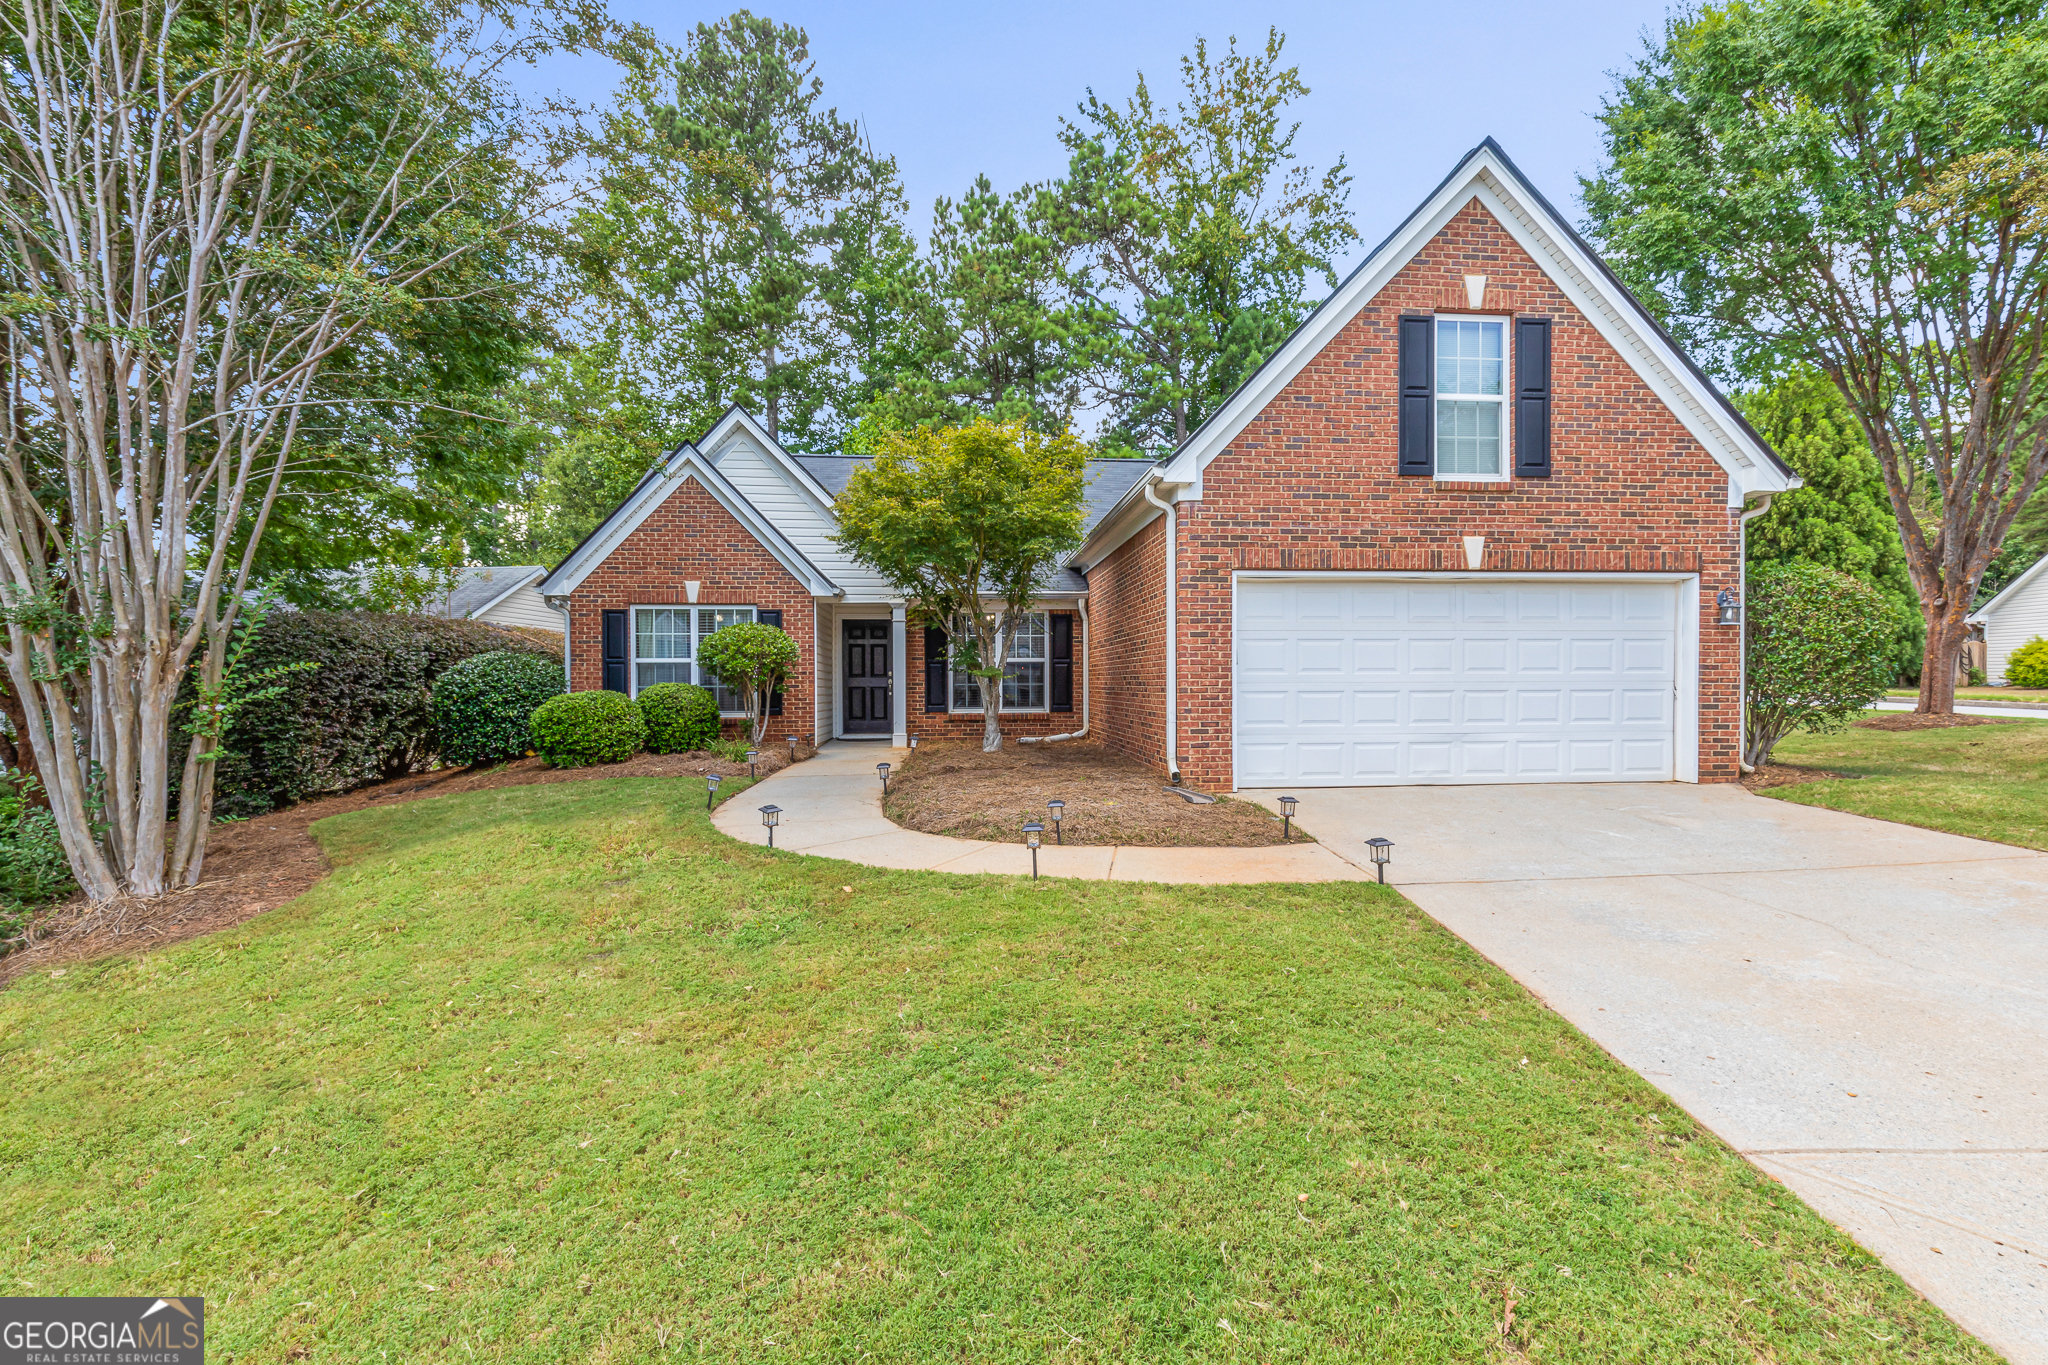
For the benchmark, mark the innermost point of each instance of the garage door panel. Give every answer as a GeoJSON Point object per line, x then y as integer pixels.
{"type": "Point", "coordinates": [1486, 682]}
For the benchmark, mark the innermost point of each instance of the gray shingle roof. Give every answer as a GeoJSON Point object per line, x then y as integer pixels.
{"type": "Point", "coordinates": [1107, 481]}
{"type": "Point", "coordinates": [480, 586]}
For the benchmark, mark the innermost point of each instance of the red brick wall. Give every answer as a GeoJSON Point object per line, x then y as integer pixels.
{"type": "Point", "coordinates": [1127, 608]}
{"type": "Point", "coordinates": [1311, 483]}
{"type": "Point", "coordinates": [691, 536]}
{"type": "Point", "coordinates": [941, 725]}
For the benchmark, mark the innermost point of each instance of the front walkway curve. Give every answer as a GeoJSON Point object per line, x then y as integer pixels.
{"type": "Point", "coordinates": [832, 807]}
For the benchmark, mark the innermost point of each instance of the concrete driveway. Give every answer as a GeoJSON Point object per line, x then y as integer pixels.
{"type": "Point", "coordinates": [1860, 1007]}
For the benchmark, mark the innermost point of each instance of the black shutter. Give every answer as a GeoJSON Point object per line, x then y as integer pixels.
{"type": "Point", "coordinates": [1532, 398]}
{"type": "Point", "coordinates": [1061, 687]}
{"type": "Point", "coordinates": [615, 636]}
{"type": "Point", "coordinates": [1417, 397]}
{"type": "Point", "coordinates": [770, 616]}
{"type": "Point", "coordinates": [935, 684]}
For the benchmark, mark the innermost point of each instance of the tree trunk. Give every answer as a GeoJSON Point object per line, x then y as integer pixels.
{"type": "Point", "coordinates": [1947, 628]}
{"type": "Point", "coordinates": [991, 715]}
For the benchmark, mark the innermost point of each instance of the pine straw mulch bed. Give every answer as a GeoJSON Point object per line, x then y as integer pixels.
{"type": "Point", "coordinates": [957, 789]}
{"type": "Point", "coordinates": [260, 863]}
{"type": "Point", "coordinates": [1914, 720]}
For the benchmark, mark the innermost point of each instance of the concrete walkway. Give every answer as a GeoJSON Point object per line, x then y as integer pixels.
{"type": "Point", "coordinates": [832, 806]}
{"type": "Point", "coordinates": [1860, 1007]}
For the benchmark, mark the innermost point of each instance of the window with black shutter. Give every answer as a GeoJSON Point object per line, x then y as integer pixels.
{"type": "Point", "coordinates": [771, 616]}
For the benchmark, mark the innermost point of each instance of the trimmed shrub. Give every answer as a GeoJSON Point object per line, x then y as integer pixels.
{"type": "Point", "coordinates": [366, 713]}
{"type": "Point", "coordinates": [579, 728]}
{"type": "Point", "coordinates": [483, 706]}
{"type": "Point", "coordinates": [680, 718]}
{"type": "Point", "coordinates": [1820, 650]}
{"type": "Point", "coordinates": [2027, 666]}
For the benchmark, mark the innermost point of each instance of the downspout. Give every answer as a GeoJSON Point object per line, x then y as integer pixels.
{"type": "Point", "coordinates": [1172, 631]}
{"type": "Point", "coordinates": [1742, 628]}
{"type": "Point", "coordinates": [561, 604]}
{"type": "Point", "coordinates": [1080, 605]}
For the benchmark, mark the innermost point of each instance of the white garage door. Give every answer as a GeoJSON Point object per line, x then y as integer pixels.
{"type": "Point", "coordinates": [1353, 683]}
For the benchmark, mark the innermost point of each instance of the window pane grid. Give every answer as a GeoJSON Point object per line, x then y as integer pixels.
{"type": "Point", "coordinates": [1471, 363]}
{"type": "Point", "coordinates": [1023, 670]}
{"type": "Point", "coordinates": [665, 641]}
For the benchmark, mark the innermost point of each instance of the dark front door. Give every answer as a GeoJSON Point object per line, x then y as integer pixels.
{"type": "Point", "coordinates": [867, 678]}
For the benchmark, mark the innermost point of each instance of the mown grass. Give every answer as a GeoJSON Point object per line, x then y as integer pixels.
{"type": "Point", "coordinates": [558, 1073]}
{"type": "Point", "coordinates": [1986, 781]}
{"type": "Point", "coordinates": [2029, 694]}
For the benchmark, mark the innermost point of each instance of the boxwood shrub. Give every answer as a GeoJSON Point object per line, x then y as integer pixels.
{"type": "Point", "coordinates": [680, 718]}
{"type": "Point", "coordinates": [2027, 666]}
{"type": "Point", "coordinates": [366, 713]}
{"type": "Point", "coordinates": [483, 706]}
{"type": "Point", "coordinates": [579, 728]}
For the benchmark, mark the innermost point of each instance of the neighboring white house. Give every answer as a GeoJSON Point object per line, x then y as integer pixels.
{"type": "Point", "coordinates": [2013, 617]}
{"type": "Point", "coordinates": [503, 594]}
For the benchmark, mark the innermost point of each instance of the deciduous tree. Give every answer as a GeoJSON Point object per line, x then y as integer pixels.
{"type": "Point", "coordinates": [1861, 188]}
{"type": "Point", "coordinates": [968, 523]}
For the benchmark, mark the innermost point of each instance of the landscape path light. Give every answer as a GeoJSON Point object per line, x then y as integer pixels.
{"type": "Point", "coordinates": [1381, 850]}
{"type": "Point", "coordinates": [1032, 829]}
{"type": "Point", "coordinates": [1287, 805]}
{"type": "Point", "coordinates": [882, 771]}
{"type": "Point", "coordinates": [752, 754]}
{"type": "Point", "coordinates": [710, 790]}
{"type": "Point", "coordinates": [769, 816]}
{"type": "Point", "coordinates": [792, 747]}
{"type": "Point", "coordinates": [913, 744]}
{"type": "Point", "coordinates": [1058, 809]}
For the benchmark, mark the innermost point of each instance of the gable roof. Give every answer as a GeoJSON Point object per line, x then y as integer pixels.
{"type": "Point", "coordinates": [2010, 592]}
{"type": "Point", "coordinates": [685, 462]}
{"type": "Point", "coordinates": [1485, 173]}
{"type": "Point", "coordinates": [483, 587]}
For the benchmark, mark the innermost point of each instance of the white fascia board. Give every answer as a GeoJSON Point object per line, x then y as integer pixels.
{"type": "Point", "coordinates": [516, 586]}
{"type": "Point", "coordinates": [2009, 591]}
{"type": "Point", "coordinates": [738, 420]}
{"type": "Point", "coordinates": [687, 462]}
{"type": "Point", "coordinates": [1486, 177]}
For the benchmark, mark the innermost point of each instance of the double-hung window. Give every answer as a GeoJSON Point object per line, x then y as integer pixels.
{"type": "Point", "coordinates": [1471, 398]}
{"type": "Point", "coordinates": [665, 642]}
{"type": "Point", "coordinates": [1023, 670]}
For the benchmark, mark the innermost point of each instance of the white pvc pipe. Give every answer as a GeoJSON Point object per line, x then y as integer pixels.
{"type": "Point", "coordinates": [1172, 631]}
{"type": "Point", "coordinates": [562, 606]}
{"type": "Point", "coordinates": [1742, 633]}
{"type": "Point", "coordinates": [1080, 605]}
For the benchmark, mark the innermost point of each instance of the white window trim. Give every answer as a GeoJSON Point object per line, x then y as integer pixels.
{"type": "Point", "coordinates": [633, 660]}
{"type": "Point", "coordinates": [1507, 388]}
{"type": "Point", "coordinates": [1045, 663]}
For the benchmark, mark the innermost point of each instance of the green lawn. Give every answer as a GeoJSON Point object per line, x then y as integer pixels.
{"type": "Point", "coordinates": [1986, 781]}
{"type": "Point", "coordinates": [557, 1073]}
{"type": "Point", "coordinates": [2032, 694]}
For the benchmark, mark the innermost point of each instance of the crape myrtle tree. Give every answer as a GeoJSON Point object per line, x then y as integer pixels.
{"type": "Point", "coordinates": [968, 524]}
{"type": "Point", "coordinates": [1193, 231]}
{"type": "Point", "coordinates": [1861, 188]}
{"type": "Point", "coordinates": [754, 659]}
{"type": "Point", "coordinates": [203, 208]}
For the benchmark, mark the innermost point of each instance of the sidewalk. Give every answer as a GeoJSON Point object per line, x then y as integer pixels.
{"type": "Point", "coordinates": [832, 807]}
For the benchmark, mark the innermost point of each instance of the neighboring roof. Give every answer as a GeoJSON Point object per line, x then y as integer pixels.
{"type": "Point", "coordinates": [2011, 592]}
{"type": "Point", "coordinates": [484, 587]}
{"type": "Point", "coordinates": [1488, 174]}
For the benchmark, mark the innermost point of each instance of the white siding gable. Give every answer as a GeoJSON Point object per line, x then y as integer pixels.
{"type": "Point", "coordinates": [765, 482]}
{"type": "Point", "coordinates": [2014, 617]}
{"type": "Point", "coordinates": [523, 607]}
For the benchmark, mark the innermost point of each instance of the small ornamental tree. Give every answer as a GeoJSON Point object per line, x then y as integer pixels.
{"type": "Point", "coordinates": [1819, 651]}
{"type": "Point", "coordinates": [968, 524]}
{"type": "Point", "coordinates": [754, 659]}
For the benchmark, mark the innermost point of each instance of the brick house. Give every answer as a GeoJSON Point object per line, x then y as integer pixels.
{"type": "Point", "coordinates": [1477, 520]}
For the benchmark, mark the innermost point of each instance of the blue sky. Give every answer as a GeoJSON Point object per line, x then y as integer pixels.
{"type": "Point", "coordinates": [1401, 90]}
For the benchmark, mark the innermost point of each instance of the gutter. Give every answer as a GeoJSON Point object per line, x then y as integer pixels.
{"type": "Point", "coordinates": [1172, 626]}
{"type": "Point", "coordinates": [1742, 642]}
{"type": "Point", "coordinates": [561, 604]}
{"type": "Point", "coordinates": [1087, 641]}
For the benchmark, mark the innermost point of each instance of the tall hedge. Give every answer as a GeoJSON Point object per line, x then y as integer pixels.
{"type": "Point", "coordinates": [367, 712]}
